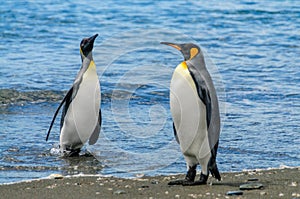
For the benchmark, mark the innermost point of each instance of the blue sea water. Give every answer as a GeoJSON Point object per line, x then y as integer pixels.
{"type": "Point", "coordinates": [252, 51]}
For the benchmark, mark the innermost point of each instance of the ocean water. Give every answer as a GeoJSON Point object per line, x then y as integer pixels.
{"type": "Point", "coordinates": [252, 51]}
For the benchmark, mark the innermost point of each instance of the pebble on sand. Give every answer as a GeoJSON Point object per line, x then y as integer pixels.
{"type": "Point", "coordinates": [56, 176]}
{"type": "Point", "coordinates": [118, 192]}
{"type": "Point", "coordinates": [234, 193]}
{"type": "Point", "coordinates": [250, 186]}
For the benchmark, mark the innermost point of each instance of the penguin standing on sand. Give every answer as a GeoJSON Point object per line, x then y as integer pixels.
{"type": "Point", "coordinates": [81, 115]}
{"type": "Point", "coordinates": [195, 112]}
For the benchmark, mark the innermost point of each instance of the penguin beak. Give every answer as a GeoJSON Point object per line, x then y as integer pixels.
{"type": "Point", "coordinates": [92, 38]}
{"type": "Point", "coordinates": [181, 48]}
{"type": "Point", "coordinates": [177, 46]}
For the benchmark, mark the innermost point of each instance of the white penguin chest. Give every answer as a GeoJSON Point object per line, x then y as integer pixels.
{"type": "Point", "coordinates": [188, 111]}
{"type": "Point", "coordinates": [86, 103]}
{"type": "Point", "coordinates": [82, 115]}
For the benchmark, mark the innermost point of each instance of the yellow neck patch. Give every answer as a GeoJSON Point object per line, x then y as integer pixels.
{"type": "Point", "coordinates": [183, 65]}
{"type": "Point", "coordinates": [92, 64]}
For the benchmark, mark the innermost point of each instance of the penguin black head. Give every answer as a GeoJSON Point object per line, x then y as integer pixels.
{"type": "Point", "coordinates": [87, 44]}
{"type": "Point", "coordinates": [189, 50]}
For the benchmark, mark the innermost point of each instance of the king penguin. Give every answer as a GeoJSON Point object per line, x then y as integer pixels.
{"type": "Point", "coordinates": [81, 115]}
{"type": "Point", "coordinates": [195, 113]}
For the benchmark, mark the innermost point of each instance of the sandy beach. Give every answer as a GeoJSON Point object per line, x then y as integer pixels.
{"type": "Point", "coordinates": [273, 183]}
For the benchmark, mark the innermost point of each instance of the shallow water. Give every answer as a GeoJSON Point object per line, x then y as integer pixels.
{"type": "Point", "coordinates": [254, 60]}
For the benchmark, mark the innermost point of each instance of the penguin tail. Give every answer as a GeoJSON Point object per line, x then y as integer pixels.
{"type": "Point", "coordinates": [215, 171]}
{"type": "Point", "coordinates": [212, 164]}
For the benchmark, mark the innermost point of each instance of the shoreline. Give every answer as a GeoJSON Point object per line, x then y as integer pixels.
{"type": "Point", "coordinates": [273, 183]}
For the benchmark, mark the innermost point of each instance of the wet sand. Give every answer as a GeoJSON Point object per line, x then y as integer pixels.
{"type": "Point", "coordinates": [277, 183]}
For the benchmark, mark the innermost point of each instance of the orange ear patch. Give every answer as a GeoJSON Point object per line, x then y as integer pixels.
{"type": "Point", "coordinates": [193, 52]}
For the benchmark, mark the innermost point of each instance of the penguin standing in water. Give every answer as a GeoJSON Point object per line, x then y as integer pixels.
{"type": "Point", "coordinates": [195, 112]}
{"type": "Point", "coordinates": [81, 115]}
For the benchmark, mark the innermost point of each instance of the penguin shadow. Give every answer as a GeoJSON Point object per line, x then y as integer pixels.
{"type": "Point", "coordinates": [226, 183]}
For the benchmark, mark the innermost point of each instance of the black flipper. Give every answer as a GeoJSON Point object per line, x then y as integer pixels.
{"type": "Point", "coordinates": [66, 98]}
{"type": "Point", "coordinates": [175, 133]}
{"type": "Point", "coordinates": [95, 135]}
{"type": "Point", "coordinates": [203, 92]}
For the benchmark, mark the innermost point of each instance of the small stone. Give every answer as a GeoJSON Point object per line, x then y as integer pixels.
{"type": "Point", "coordinates": [193, 195]}
{"type": "Point", "coordinates": [109, 189]}
{"type": "Point", "coordinates": [127, 186]}
{"type": "Point", "coordinates": [207, 193]}
{"type": "Point", "coordinates": [234, 193]}
{"type": "Point", "coordinates": [97, 193]}
{"type": "Point", "coordinates": [101, 184]}
{"type": "Point", "coordinates": [263, 193]}
{"type": "Point", "coordinates": [281, 195]}
{"type": "Point", "coordinates": [296, 195]}
{"type": "Point", "coordinates": [293, 184]}
{"type": "Point", "coordinates": [56, 176]}
{"type": "Point", "coordinates": [141, 179]}
{"type": "Point", "coordinates": [118, 192]}
{"type": "Point", "coordinates": [51, 186]}
{"type": "Point", "coordinates": [250, 186]}
{"type": "Point", "coordinates": [252, 179]}
{"type": "Point", "coordinates": [140, 175]}
{"type": "Point", "coordinates": [167, 178]}
{"type": "Point", "coordinates": [177, 196]}
{"type": "Point", "coordinates": [239, 174]}
{"type": "Point", "coordinates": [166, 192]}
{"type": "Point", "coordinates": [154, 182]}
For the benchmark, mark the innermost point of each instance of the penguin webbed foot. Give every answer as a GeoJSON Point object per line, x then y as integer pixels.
{"type": "Point", "coordinates": [189, 178]}
{"type": "Point", "coordinates": [201, 181]}
{"type": "Point", "coordinates": [71, 153]}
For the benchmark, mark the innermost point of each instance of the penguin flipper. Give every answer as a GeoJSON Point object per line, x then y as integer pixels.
{"type": "Point", "coordinates": [175, 133]}
{"type": "Point", "coordinates": [202, 91]}
{"type": "Point", "coordinates": [95, 135]}
{"type": "Point", "coordinates": [67, 96]}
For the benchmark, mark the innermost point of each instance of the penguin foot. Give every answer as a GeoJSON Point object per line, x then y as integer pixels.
{"type": "Point", "coordinates": [202, 181]}
{"type": "Point", "coordinates": [71, 153]}
{"type": "Point", "coordinates": [189, 178]}
{"type": "Point", "coordinates": [179, 182]}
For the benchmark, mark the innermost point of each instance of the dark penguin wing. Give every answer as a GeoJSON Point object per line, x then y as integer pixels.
{"type": "Point", "coordinates": [68, 99]}
{"type": "Point", "coordinates": [65, 99]}
{"type": "Point", "coordinates": [202, 90]}
{"type": "Point", "coordinates": [95, 135]}
{"type": "Point", "coordinates": [175, 133]}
